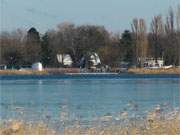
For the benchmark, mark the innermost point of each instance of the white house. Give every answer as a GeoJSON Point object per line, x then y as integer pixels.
{"type": "Point", "coordinates": [94, 58]}
{"type": "Point", "coordinates": [65, 59]}
{"type": "Point", "coordinates": [90, 60]}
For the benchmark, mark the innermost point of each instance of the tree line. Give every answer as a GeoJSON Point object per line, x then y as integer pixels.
{"type": "Point", "coordinates": [162, 40]}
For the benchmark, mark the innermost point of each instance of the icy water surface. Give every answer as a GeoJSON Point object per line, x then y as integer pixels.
{"type": "Point", "coordinates": [85, 97]}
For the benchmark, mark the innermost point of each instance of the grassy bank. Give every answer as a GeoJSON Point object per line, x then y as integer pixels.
{"type": "Point", "coordinates": [23, 72]}
{"type": "Point", "coordinates": [154, 71]}
{"type": "Point", "coordinates": [62, 70]}
{"type": "Point", "coordinates": [55, 71]}
{"type": "Point", "coordinates": [52, 71]}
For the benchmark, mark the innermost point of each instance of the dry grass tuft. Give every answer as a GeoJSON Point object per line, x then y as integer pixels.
{"type": "Point", "coordinates": [21, 128]}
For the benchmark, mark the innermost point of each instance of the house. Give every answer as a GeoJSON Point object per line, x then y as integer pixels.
{"type": "Point", "coordinates": [65, 59]}
{"type": "Point", "coordinates": [153, 63]}
{"type": "Point", "coordinates": [94, 60]}
{"type": "Point", "coordinates": [90, 61]}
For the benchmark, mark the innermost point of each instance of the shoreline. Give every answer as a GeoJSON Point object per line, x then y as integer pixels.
{"type": "Point", "coordinates": [76, 71]}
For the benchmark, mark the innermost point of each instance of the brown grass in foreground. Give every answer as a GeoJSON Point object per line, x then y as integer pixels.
{"type": "Point", "coordinates": [150, 126]}
{"type": "Point", "coordinates": [171, 127]}
{"type": "Point", "coordinates": [154, 71]}
{"type": "Point", "coordinates": [20, 128]}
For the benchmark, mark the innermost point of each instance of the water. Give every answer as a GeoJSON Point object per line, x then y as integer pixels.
{"type": "Point", "coordinates": [85, 97]}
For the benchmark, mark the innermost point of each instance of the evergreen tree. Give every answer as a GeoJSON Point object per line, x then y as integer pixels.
{"type": "Point", "coordinates": [46, 51]}
{"type": "Point", "coordinates": [33, 46]}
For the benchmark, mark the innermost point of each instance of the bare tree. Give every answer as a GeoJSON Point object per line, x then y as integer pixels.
{"type": "Point", "coordinates": [178, 17]}
{"type": "Point", "coordinates": [178, 34]}
{"type": "Point", "coordinates": [12, 47]}
{"type": "Point", "coordinates": [140, 39]}
{"type": "Point", "coordinates": [172, 45]}
{"type": "Point", "coordinates": [157, 29]}
{"type": "Point", "coordinates": [157, 26]}
{"type": "Point", "coordinates": [169, 26]}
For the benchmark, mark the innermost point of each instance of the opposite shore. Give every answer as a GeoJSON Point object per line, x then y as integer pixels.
{"type": "Point", "coordinates": [59, 71]}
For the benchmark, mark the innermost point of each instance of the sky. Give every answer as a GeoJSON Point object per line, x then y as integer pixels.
{"type": "Point", "coordinates": [115, 15]}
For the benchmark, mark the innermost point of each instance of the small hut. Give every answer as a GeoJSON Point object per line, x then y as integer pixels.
{"type": "Point", "coordinates": [37, 66]}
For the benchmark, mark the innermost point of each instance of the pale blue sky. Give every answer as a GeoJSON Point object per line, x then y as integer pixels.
{"type": "Point", "coordinates": [115, 15]}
